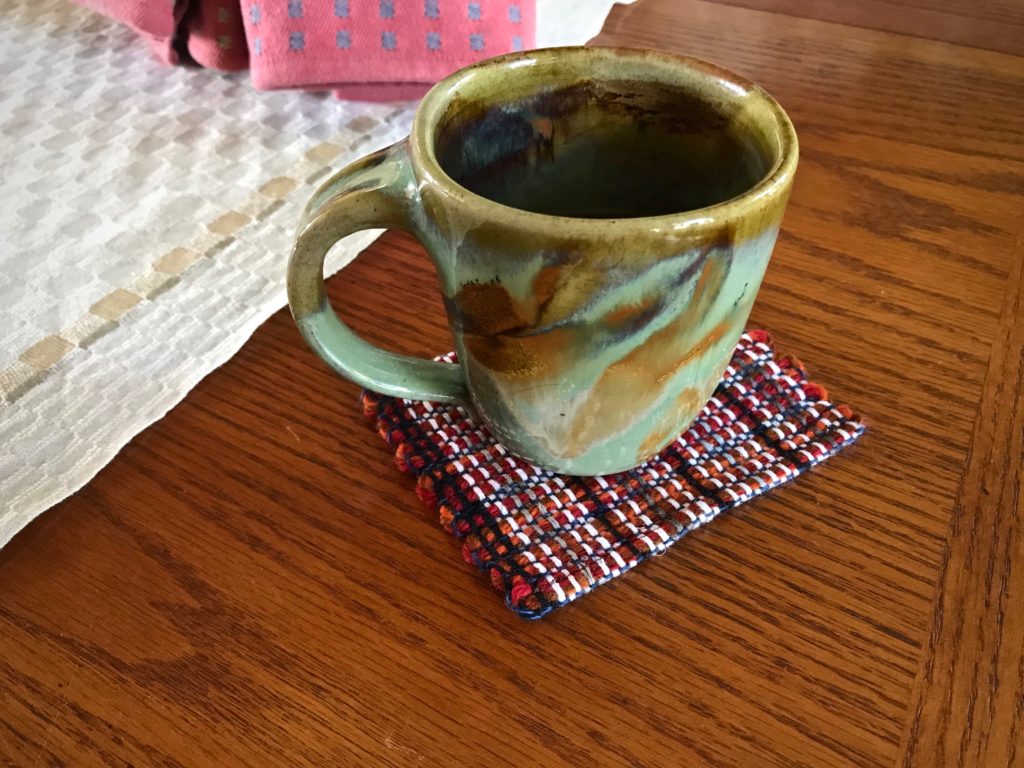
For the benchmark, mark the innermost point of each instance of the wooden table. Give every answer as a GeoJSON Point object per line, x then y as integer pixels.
{"type": "Point", "coordinates": [252, 582]}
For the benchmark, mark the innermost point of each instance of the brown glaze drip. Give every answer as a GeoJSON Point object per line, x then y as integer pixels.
{"type": "Point", "coordinates": [687, 404]}
{"type": "Point", "coordinates": [544, 288]}
{"type": "Point", "coordinates": [539, 356]}
{"type": "Point", "coordinates": [491, 318]}
{"type": "Point", "coordinates": [493, 324]}
{"type": "Point", "coordinates": [632, 385]}
{"type": "Point", "coordinates": [630, 318]}
{"type": "Point", "coordinates": [507, 355]}
{"type": "Point", "coordinates": [487, 309]}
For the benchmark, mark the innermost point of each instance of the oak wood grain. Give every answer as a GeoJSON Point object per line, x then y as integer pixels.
{"type": "Point", "coordinates": [252, 582]}
{"type": "Point", "coordinates": [969, 699]}
{"type": "Point", "coordinates": [997, 25]}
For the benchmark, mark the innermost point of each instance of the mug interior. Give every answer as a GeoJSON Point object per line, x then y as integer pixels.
{"type": "Point", "coordinates": [585, 134]}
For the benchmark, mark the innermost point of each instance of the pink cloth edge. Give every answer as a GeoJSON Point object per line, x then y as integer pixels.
{"type": "Point", "coordinates": [260, 35]}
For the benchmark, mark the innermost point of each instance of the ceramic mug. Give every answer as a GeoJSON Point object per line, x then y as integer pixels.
{"type": "Point", "coordinates": [600, 220]}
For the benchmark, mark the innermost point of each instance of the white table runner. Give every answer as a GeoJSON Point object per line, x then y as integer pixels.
{"type": "Point", "coordinates": [146, 218]}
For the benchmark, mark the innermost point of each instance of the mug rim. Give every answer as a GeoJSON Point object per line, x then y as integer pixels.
{"type": "Point", "coordinates": [775, 183]}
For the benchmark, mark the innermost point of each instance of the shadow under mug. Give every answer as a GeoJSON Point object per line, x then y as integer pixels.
{"type": "Point", "coordinates": [600, 220]}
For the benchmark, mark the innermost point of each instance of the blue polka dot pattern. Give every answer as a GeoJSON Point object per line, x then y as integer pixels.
{"type": "Point", "coordinates": [338, 43]}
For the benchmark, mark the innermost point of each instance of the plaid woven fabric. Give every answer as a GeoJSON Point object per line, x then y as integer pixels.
{"type": "Point", "coordinates": [546, 539]}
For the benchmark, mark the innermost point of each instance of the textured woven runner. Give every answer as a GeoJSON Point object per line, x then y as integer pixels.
{"type": "Point", "coordinates": [146, 216]}
{"type": "Point", "coordinates": [545, 539]}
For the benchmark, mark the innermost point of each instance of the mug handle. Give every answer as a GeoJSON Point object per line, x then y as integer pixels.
{"type": "Point", "coordinates": [376, 191]}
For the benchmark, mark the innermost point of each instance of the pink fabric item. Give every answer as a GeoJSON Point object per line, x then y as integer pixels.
{"type": "Point", "coordinates": [382, 91]}
{"type": "Point", "coordinates": [215, 36]}
{"type": "Point", "coordinates": [156, 23]}
{"type": "Point", "coordinates": [304, 42]}
{"type": "Point", "coordinates": [362, 49]}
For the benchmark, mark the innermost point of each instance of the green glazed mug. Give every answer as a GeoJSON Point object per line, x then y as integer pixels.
{"type": "Point", "coordinates": [600, 220]}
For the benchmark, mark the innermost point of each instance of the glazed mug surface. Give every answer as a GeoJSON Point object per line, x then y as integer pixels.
{"type": "Point", "coordinates": [600, 220]}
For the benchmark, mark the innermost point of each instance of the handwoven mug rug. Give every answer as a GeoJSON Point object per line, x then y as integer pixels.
{"type": "Point", "coordinates": [546, 539]}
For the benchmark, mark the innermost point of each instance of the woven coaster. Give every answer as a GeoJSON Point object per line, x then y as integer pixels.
{"type": "Point", "coordinates": [546, 539]}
